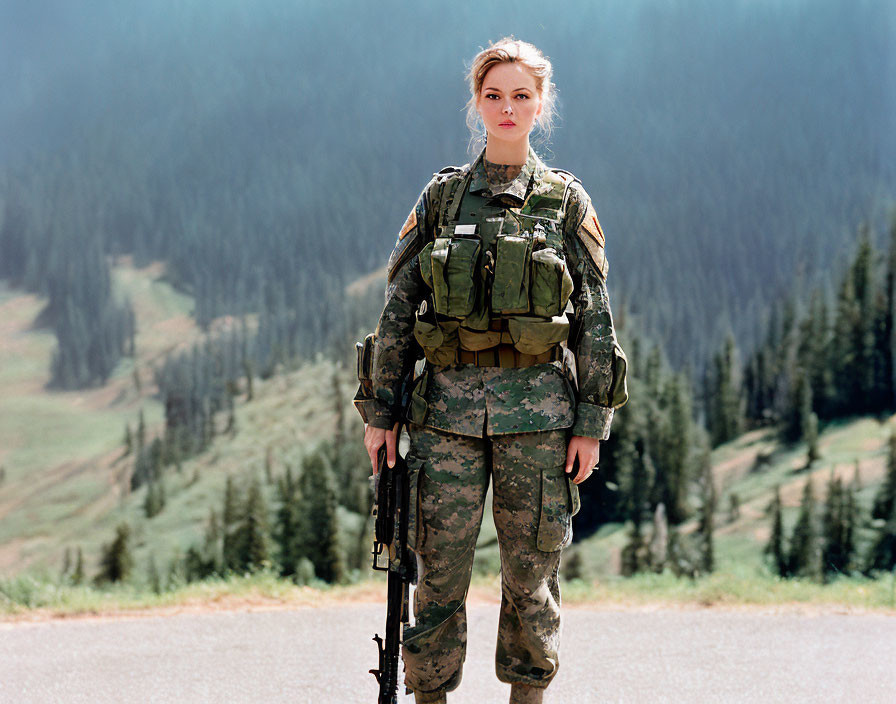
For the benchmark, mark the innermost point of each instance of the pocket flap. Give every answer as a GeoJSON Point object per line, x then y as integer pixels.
{"type": "Point", "coordinates": [555, 520]}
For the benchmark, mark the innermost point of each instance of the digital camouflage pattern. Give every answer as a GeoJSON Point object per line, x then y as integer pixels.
{"type": "Point", "coordinates": [463, 405]}
{"type": "Point", "coordinates": [532, 511]}
{"type": "Point", "coordinates": [507, 425]}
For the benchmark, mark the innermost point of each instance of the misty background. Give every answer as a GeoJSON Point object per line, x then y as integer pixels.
{"type": "Point", "coordinates": [269, 152]}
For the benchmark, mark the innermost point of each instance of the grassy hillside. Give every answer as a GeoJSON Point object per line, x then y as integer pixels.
{"type": "Point", "coordinates": [66, 475]}
{"type": "Point", "coordinates": [751, 467]}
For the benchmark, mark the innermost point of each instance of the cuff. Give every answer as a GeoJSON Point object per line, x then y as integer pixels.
{"type": "Point", "coordinates": [380, 415]}
{"type": "Point", "coordinates": [373, 411]}
{"type": "Point", "coordinates": [593, 421]}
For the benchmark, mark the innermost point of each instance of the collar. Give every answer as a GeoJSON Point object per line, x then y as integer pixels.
{"type": "Point", "coordinates": [518, 189]}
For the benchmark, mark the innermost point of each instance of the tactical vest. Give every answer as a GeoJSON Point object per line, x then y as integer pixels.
{"type": "Point", "coordinates": [496, 275]}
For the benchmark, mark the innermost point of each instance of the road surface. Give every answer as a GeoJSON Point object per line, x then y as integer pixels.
{"type": "Point", "coordinates": [322, 654]}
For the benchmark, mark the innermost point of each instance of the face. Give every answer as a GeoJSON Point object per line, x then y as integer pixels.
{"type": "Point", "coordinates": [509, 102]}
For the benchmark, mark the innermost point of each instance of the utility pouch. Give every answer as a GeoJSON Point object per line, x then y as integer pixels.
{"type": "Point", "coordinates": [510, 283]}
{"type": "Point", "coordinates": [426, 264]}
{"type": "Point", "coordinates": [475, 340]}
{"type": "Point", "coordinates": [418, 407]}
{"type": "Point", "coordinates": [437, 338]}
{"type": "Point", "coordinates": [365, 358]}
{"type": "Point", "coordinates": [551, 283]}
{"type": "Point", "coordinates": [533, 336]}
{"type": "Point", "coordinates": [454, 263]}
{"type": "Point", "coordinates": [619, 385]}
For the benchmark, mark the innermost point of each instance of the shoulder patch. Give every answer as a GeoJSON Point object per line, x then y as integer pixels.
{"type": "Point", "coordinates": [592, 236]}
{"type": "Point", "coordinates": [407, 245]}
{"type": "Point", "coordinates": [408, 224]}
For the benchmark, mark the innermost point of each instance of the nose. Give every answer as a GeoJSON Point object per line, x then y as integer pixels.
{"type": "Point", "coordinates": [508, 109]}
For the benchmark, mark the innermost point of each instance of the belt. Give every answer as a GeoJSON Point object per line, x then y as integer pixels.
{"type": "Point", "coordinates": [507, 356]}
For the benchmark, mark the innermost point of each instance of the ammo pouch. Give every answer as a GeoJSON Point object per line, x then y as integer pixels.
{"type": "Point", "coordinates": [418, 406]}
{"type": "Point", "coordinates": [551, 284]}
{"type": "Point", "coordinates": [449, 265]}
{"type": "Point", "coordinates": [438, 338]}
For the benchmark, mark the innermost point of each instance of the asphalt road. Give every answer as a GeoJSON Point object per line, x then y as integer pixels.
{"type": "Point", "coordinates": [323, 654]}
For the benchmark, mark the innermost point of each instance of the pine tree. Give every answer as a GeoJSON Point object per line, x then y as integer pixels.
{"type": "Point", "coordinates": [78, 574]}
{"type": "Point", "coordinates": [231, 520]}
{"type": "Point", "coordinates": [775, 547]}
{"type": "Point", "coordinates": [286, 525]}
{"type": "Point", "coordinates": [885, 499]}
{"type": "Point", "coordinates": [725, 414]}
{"type": "Point", "coordinates": [116, 561]}
{"type": "Point", "coordinates": [836, 532]}
{"type": "Point", "coordinates": [675, 445]}
{"type": "Point", "coordinates": [211, 547]}
{"type": "Point", "coordinates": [802, 561]}
{"type": "Point", "coordinates": [733, 507]}
{"type": "Point", "coordinates": [319, 506]}
{"type": "Point", "coordinates": [706, 515]}
{"type": "Point", "coordinates": [810, 437]}
{"type": "Point", "coordinates": [888, 342]}
{"type": "Point", "coordinates": [253, 542]}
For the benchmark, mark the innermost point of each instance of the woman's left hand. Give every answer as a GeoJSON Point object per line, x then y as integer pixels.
{"type": "Point", "coordinates": [588, 451]}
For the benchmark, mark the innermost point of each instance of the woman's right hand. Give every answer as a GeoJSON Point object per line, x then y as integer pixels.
{"type": "Point", "coordinates": [373, 441]}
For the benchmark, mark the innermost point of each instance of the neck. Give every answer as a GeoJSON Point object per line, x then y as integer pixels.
{"type": "Point", "coordinates": [499, 152]}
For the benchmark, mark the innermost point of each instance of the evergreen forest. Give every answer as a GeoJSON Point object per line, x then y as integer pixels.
{"type": "Point", "coordinates": [741, 157]}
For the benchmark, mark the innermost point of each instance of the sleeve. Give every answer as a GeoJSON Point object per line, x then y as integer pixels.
{"type": "Point", "coordinates": [600, 361]}
{"type": "Point", "coordinates": [394, 349]}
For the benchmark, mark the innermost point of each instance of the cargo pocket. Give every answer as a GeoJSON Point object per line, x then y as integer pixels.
{"type": "Point", "coordinates": [415, 528]}
{"type": "Point", "coordinates": [454, 263]}
{"type": "Point", "coordinates": [551, 283]}
{"type": "Point", "coordinates": [554, 522]}
{"type": "Point", "coordinates": [510, 285]}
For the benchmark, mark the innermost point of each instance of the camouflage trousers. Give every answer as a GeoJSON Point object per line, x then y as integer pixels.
{"type": "Point", "coordinates": [533, 503]}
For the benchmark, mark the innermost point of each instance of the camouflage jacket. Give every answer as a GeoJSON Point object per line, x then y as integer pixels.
{"type": "Point", "coordinates": [470, 400]}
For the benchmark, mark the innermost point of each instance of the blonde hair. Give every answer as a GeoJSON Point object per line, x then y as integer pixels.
{"type": "Point", "coordinates": [510, 50]}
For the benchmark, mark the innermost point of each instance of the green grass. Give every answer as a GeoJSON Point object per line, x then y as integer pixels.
{"type": "Point", "coordinates": [27, 593]}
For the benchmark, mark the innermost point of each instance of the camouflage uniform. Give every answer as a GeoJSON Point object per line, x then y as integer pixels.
{"type": "Point", "coordinates": [470, 423]}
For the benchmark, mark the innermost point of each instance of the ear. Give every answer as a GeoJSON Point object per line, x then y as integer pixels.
{"type": "Point", "coordinates": [539, 108]}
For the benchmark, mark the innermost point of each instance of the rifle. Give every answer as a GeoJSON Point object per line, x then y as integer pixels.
{"type": "Point", "coordinates": [391, 512]}
{"type": "Point", "coordinates": [390, 550]}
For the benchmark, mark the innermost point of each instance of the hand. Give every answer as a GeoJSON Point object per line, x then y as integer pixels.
{"type": "Point", "coordinates": [588, 451]}
{"type": "Point", "coordinates": [373, 441]}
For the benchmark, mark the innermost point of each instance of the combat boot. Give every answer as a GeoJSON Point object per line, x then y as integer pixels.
{"type": "Point", "coordinates": [525, 694]}
{"type": "Point", "coordinates": [430, 698]}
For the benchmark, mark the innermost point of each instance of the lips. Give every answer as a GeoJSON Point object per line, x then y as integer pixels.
{"type": "Point", "coordinates": [507, 124]}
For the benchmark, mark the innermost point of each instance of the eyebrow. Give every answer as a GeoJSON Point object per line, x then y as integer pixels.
{"type": "Point", "coordinates": [498, 90]}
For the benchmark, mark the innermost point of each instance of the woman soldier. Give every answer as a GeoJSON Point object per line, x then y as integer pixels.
{"type": "Point", "coordinates": [499, 278]}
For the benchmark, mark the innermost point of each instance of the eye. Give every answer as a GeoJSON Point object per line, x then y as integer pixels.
{"type": "Point", "coordinates": [493, 95]}
{"type": "Point", "coordinates": [522, 95]}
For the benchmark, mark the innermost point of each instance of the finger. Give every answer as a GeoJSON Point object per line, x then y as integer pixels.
{"type": "Point", "coordinates": [372, 454]}
{"type": "Point", "coordinates": [570, 457]}
{"type": "Point", "coordinates": [390, 447]}
{"type": "Point", "coordinates": [584, 471]}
